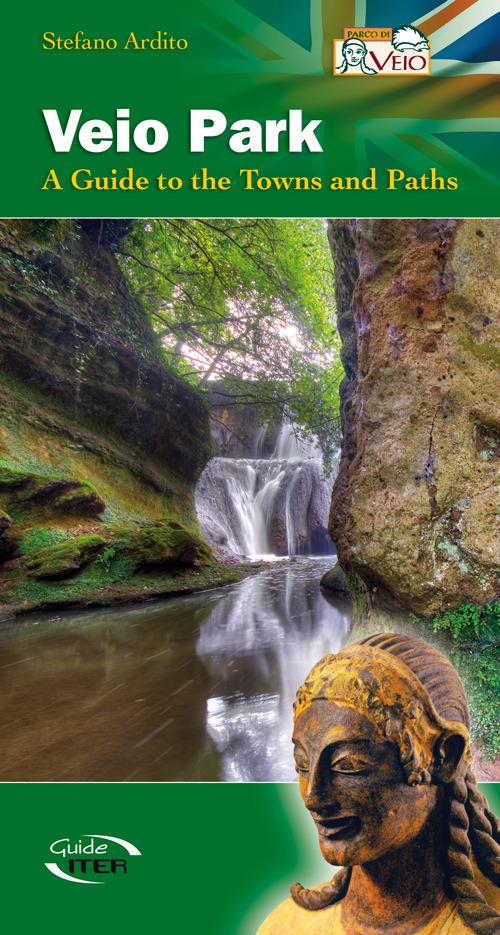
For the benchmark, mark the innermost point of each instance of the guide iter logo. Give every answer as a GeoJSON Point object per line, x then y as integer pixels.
{"type": "Point", "coordinates": [91, 856]}
{"type": "Point", "coordinates": [368, 50]}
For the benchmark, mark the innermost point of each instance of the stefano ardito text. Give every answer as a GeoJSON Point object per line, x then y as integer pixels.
{"type": "Point", "coordinates": [160, 41]}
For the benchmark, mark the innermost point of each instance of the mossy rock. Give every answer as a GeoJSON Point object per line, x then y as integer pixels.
{"type": "Point", "coordinates": [169, 545]}
{"type": "Point", "coordinates": [67, 558]}
{"type": "Point", "coordinates": [5, 522]}
{"type": "Point", "coordinates": [11, 479]}
{"type": "Point", "coordinates": [60, 494]}
{"type": "Point", "coordinates": [335, 581]}
{"type": "Point", "coordinates": [78, 497]}
{"type": "Point", "coordinates": [9, 540]}
{"type": "Point", "coordinates": [36, 537]}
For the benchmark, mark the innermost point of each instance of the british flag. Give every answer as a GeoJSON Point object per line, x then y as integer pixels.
{"type": "Point", "coordinates": [449, 118]}
{"type": "Point", "coordinates": [245, 34]}
{"type": "Point", "coordinates": [464, 34]}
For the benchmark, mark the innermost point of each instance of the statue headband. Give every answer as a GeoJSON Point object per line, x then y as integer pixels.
{"type": "Point", "coordinates": [383, 689]}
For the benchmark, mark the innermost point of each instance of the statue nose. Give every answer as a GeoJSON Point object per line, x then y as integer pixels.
{"type": "Point", "coordinates": [320, 795]}
{"type": "Point", "coordinates": [321, 805]}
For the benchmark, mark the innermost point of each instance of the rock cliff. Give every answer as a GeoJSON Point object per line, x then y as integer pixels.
{"type": "Point", "coordinates": [240, 425]}
{"type": "Point", "coordinates": [100, 445]}
{"type": "Point", "coordinates": [414, 503]}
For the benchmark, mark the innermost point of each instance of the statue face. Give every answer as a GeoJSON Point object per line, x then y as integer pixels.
{"type": "Point", "coordinates": [351, 781]}
{"type": "Point", "coordinates": [354, 54]}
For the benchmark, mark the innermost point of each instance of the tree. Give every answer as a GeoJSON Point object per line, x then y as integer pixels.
{"type": "Point", "coordinates": [247, 301]}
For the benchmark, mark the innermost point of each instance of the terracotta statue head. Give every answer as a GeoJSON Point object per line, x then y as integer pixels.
{"type": "Point", "coordinates": [382, 752]}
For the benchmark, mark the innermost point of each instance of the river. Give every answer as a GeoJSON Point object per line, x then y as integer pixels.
{"type": "Point", "coordinates": [194, 688]}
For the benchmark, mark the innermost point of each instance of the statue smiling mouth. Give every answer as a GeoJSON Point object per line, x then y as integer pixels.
{"type": "Point", "coordinates": [341, 828]}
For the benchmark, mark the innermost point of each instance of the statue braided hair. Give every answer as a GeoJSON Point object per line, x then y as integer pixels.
{"type": "Point", "coordinates": [473, 830]}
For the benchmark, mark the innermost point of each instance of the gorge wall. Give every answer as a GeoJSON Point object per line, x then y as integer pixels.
{"type": "Point", "coordinates": [100, 445]}
{"type": "Point", "coordinates": [240, 425]}
{"type": "Point", "coordinates": [415, 501]}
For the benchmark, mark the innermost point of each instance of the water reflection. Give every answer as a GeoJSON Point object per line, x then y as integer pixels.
{"type": "Point", "coordinates": [258, 645]}
{"type": "Point", "coordinates": [194, 688]}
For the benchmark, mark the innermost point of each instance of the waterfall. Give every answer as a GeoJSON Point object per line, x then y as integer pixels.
{"type": "Point", "coordinates": [273, 506]}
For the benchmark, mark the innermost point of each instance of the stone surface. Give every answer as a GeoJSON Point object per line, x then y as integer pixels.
{"type": "Point", "coordinates": [413, 508]}
{"type": "Point", "coordinates": [240, 425]}
{"type": "Point", "coordinates": [58, 494]}
{"type": "Point", "coordinates": [5, 522]}
{"type": "Point", "coordinates": [335, 581]}
{"type": "Point", "coordinates": [71, 327]}
{"type": "Point", "coordinates": [9, 540]}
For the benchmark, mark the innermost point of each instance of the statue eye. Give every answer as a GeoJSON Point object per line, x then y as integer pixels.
{"type": "Point", "coordinates": [350, 765]}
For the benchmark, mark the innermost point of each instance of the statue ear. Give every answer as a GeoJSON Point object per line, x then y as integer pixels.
{"type": "Point", "coordinates": [448, 752]}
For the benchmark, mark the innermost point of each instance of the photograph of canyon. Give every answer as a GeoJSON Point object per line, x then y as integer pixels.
{"type": "Point", "coordinates": [228, 447]}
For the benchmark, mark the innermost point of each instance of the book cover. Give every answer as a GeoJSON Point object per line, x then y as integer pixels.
{"type": "Point", "coordinates": [249, 431]}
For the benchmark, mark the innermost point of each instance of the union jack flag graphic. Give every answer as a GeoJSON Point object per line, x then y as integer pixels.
{"type": "Point", "coordinates": [448, 119]}
{"type": "Point", "coordinates": [247, 35]}
{"type": "Point", "coordinates": [464, 34]}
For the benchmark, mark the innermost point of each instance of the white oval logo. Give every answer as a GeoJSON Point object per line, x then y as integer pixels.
{"type": "Point", "coordinates": [91, 856]}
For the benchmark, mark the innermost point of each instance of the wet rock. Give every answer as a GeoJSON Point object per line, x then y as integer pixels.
{"type": "Point", "coordinates": [297, 519]}
{"type": "Point", "coordinates": [166, 546]}
{"type": "Point", "coordinates": [335, 581]}
{"type": "Point", "coordinates": [413, 503]}
{"type": "Point", "coordinates": [219, 512]}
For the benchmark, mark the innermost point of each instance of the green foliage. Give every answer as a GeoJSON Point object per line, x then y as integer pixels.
{"type": "Point", "coordinates": [84, 585]}
{"type": "Point", "coordinates": [470, 622]}
{"type": "Point", "coordinates": [244, 300]}
{"type": "Point", "coordinates": [106, 556]}
{"type": "Point", "coordinates": [41, 228]}
{"type": "Point", "coordinates": [470, 635]}
{"type": "Point", "coordinates": [65, 558]}
{"type": "Point", "coordinates": [482, 676]}
{"type": "Point", "coordinates": [357, 590]}
{"type": "Point", "coordinates": [55, 570]}
{"type": "Point", "coordinates": [40, 537]}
